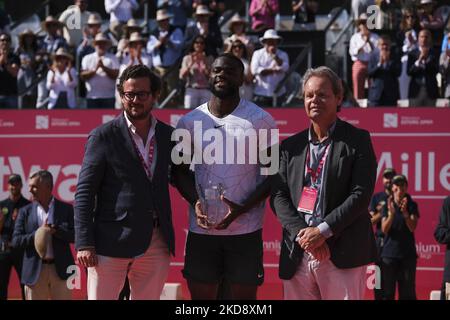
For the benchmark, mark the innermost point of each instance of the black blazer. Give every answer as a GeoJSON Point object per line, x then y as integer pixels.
{"type": "Point", "coordinates": [23, 237]}
{"type": "Point", "coordinates": [442, 235]}
{"type": "Point", "coordinates": [429, 72]}
{"type": "Point", "coordinates": [349, 182]}
{"type": "Point", "coordinates": [115, 201]}
{"type": "Point", "coordinates": [384, 89]}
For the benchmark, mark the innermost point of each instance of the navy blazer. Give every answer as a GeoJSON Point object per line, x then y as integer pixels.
{"type": "Point", "coordinates": [23, 237]}
{"type": "Point", "coordinates": [429, 72]}
{"type": "Point", "coordinates": [115, 201]}
{"type": "Point", "coordinates": [349, 181]}
{"type": "Point", "coordinates": [442, 235]}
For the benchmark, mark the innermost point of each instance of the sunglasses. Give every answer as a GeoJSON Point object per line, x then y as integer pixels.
{"type": "Point", "coordinates": [5, 39]}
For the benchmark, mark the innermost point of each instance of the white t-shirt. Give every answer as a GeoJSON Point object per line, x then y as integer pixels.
{"type": "Point", "coordinates": [100, 86]}
{"type": "Point", "coordinates": [237, 172]}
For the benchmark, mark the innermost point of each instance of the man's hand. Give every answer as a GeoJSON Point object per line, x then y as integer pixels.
{"type": "Point", "coordinates": [310, 238]}
{"type": "Point", "coordinates": [87, 258]}
{"type": "Point", "coordinates": [321, 253]}
{"type": "Point", "coordinates": [234, 211]}
{"type": "Point", "coordinates": [202, 218]}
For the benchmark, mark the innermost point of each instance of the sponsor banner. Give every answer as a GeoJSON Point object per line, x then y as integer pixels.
{"type": "Point", "coordinates": [413, 141]}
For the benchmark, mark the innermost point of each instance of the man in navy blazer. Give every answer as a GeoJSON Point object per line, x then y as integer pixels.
{"type": "Point", "coordinates": [45, 277]}
{"type": "Point", "coordinates": [123, 218]}
{"type": "Point", "coordinates": [321, 195]}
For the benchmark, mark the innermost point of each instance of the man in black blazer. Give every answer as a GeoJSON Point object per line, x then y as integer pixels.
{"type": "Point", "coordinates": [384, 70]}
{"type": "Point", "coordinates": [442, 235]}
{"type": "Point", "coordinates": [123, 218]}
{"type": "Point", "coordinates": [49, 221]}
{"type": "Point", "coordinates": [327, 235]}
{"type": "Point", "coordinates": [423, 66]}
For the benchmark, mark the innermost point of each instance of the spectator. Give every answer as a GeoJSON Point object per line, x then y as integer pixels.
{"type": "Point", "coordinates": [74, 19]}
{"type": "Point", "coordinates": [122, 47]}
{"type": "Point", "coordinates": [445, 70]}
{"type": "Point", "coordinates": [390, 13]}
{"type": "Point", "coordinates": [93, 27]}
{"type": "Point", "coordinates": [62, 80]}
{"type": "Point", "coordinates": [362, 44]}
{"type": "Point", "coordinates": [423, 65]}
{"type": "Point", "coordinates": [216, 7]}
{"type": "Point", "coordinates": [348, 98]}
{"type": "Point", "coordinates": [442, 235]}
{"type": "Point", "coordinates": [195, 70]}
{"type": "Point", "coordinates": [44, 228]}
{"type": "Point", "coordinates": [50, 44]}
{"type": "Point", "coordinates": [429, 18]}
{"type": "Point", "coordinates": [240, 50]}
{"type": "Point", "coordinates": [179, 9]}
{"type": "Point", "coordinates": [237, 29]}
{"type": "Point", "coordinates": [120, 12]}
{"type": "Point", "coordinates": [269, 66]}
{"type": "Point", "coordinates": [27, 51]}
{"type": "Point", "coordinates": [100, 70]}
{"type": "Point", "coordinates": [304, 14]}
{"type": "Point", "coordinates": [376, 206]}
{"type": "Point", "coordinates": [383, 71]}
{"type": "Point", "coordinates": [10, 256]}
{"type": "Point", "coordinates": [263, 14]}
{"type": "Point", "coordinates": [166, 47]}
{"type": "Point", "coordinates": [399, 257]}
{"type": "Point", "coordinates": [201, 27]}
{"type": "Point", "coordinates": [9, 69]}
{"type": "Point", "coordinates": [407, 39]}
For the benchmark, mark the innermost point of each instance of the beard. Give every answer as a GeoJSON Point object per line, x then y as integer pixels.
{"type": "Point", "coordinates": [227, 92]}
{"type": "Point", "coordinates": [137, 115]}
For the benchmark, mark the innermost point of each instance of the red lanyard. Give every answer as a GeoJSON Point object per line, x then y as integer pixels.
{"type": "Point", "coordinates": [151, 152]}
{"type": "Point", "coordinates": [316, 173]}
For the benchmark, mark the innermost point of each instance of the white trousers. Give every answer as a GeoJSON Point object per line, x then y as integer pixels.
{"type": "Point", "coordinates": [146, 274]}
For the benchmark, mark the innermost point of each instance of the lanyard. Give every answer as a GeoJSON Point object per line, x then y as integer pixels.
{"type": "Point", "coordinates": [316, 173]}
{"type": "Point", "coordinates": [151, 152]}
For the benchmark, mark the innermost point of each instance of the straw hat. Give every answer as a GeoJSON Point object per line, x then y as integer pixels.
{"type": "Point", "coordinates": [101, 37]}
{"type": "Point", "coordinates": [202, 10]}
{"type": "Point", "coordinates": [62, 52]}
{"type": "Point", "coordinates": [51, 20]}
{"type": "Point", "coordinates": [425, 2]}
{"type": "Point", "coordinates": [41, 238]}
{"type": "Point", "coordinates": [361, 19]}
{"type": "Point", "coordinates": [236, 19]}
{"type": "Point", "coordinates": [270, 34]}
{"type": "Point", "coordinates": [133, 24]}
{"type": "Point", "coordinates": [163, 14]}
{"type": "Point", "coordinates": [94, 18]}
{"type": "Point", "coordinates": [136, 37]}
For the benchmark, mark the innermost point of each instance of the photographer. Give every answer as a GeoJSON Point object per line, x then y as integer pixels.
{"type": "Point", "coordinates": [399, 257]}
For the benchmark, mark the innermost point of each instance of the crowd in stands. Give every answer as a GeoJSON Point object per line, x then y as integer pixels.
{"type": "Point", "coordinates": [57, 66]}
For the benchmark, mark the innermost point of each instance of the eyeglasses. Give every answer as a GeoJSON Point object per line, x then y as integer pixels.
{"type": "Point", "coordinates": [142, 95]}
{"type": "Point", "coordinates": [5, 40]}
{"type": "Point", "coordinates": [239, 47]}
{"type": "Point", "coordinates": [200, 42]}
{"type": "Point", "coordinates": [409, 17]}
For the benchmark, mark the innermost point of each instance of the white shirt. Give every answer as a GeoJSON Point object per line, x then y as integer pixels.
{"type": "Point", "coordinates": [120, 10]}
{"type": "Point", "coordinates": [100, 86]}
{"type": "Point", "coordinates": [42, 216]}
{"type": "Point", "coordinates": [356, 42]}
{"type": "Point", "coordinates": [62, 84]}
{"type": "Point", "coordinates": [239, 179]}
{"type": "Point", "coordinates": [144, 150]}
{"type": "Point", "coordinates": [266, 85]}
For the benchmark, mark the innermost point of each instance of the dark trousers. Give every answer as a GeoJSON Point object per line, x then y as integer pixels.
{"type": "Point", "coordinates": [107, 103]}
{"type": "Point", "coordinates": [400, 272]}
{"type": "Point", "coordinates": [7, 261]}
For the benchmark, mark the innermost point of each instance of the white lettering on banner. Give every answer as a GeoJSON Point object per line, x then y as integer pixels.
{"type": "Point", "coordinates": [386, 161]}
{"type": "Point", "coordinates": [65, 190]}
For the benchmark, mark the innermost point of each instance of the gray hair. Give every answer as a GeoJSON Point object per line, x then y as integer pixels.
{"type": "Point", "coordinates": [44, 176]}
{"type": "Point", "coordinates": [325, 72]}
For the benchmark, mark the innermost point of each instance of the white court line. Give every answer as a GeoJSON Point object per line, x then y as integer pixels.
{"type": "Point", "coordinates": [275, 265]}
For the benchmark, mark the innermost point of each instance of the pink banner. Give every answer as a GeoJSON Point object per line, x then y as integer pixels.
{"type": "Point", "coordinates": [414, 141]}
